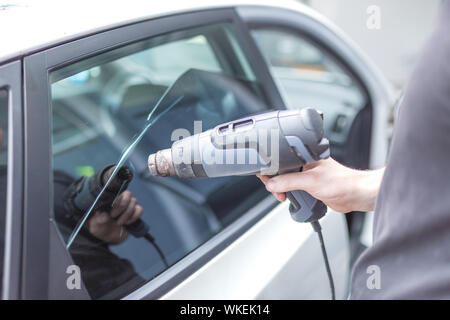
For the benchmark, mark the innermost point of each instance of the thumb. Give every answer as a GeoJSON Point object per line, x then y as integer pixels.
{"type": "Point", "coordinates": [100, 217]}
{"type": "Point", "coordinates": [290, 181]}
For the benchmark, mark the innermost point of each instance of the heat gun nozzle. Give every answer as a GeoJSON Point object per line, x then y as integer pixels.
{"type": "Point", "coordinates": [161, 164]}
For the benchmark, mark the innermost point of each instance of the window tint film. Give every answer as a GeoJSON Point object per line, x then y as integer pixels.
{"type": "Point", "coordinates": [103, 114]}
{"type": "Point", "coordinates": [307, 76]}
{"type": "Point", "coordinates": [3, 174]}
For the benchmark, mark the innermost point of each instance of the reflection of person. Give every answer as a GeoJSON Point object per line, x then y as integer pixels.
{"type": "Point", "coordinates": [102, 271]}
{"type": "Point", "coordinates": [410, 256]}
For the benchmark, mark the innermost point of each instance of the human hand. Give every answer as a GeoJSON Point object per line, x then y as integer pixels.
{"type": "Point", "coordinates": [109, 226]}
{"type": "Point", "coordinates": [341, 188]}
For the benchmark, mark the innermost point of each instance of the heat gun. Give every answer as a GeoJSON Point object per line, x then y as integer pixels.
{"type": "Point", "coordinates": [269, 143]}
{"type": "Point", "coordinates": [84, 191]}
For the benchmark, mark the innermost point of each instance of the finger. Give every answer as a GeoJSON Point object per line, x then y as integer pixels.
{"type": "Point", "coordinates": [280, 196]}
{"type": "Point", "coordinates": [263, 178]}
{"type": "Point", "coordinates": [138, 210]}
{"type": "Point", "coordinates": [120, 204]}
{"type": "Point", "coordinates": [291, 181]}
{"type": "Point", "coordinates": [103, 217]}
{"type": "Point", "coordinates": [97, 221]}
{"type": "Point", "coordinates": [100, 217]}
{"type": "Point", "coordinates": [128, 212]}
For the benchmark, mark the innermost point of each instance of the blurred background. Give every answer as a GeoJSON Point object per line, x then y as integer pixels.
{"type": "Point", "coordinates": [395, 46]}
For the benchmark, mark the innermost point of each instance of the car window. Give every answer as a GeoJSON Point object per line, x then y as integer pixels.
{"type": "Point", "coordinates": [3, 174]}
{"type": "Point", "coordinates": [307, 76]}
{"type": "Point", "coordinates": [100, 105]}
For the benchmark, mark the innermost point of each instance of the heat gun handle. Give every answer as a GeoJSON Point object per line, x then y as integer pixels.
{"type": "Point", "coordinates": [304, 207]}
{"type": "Point", "coordinates": [138, 229]}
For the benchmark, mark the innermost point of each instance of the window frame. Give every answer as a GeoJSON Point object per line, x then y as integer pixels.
{"type": "Point", "coordinates": [11, 80]}
{"type": "Point", "coordinates": [38, 157]}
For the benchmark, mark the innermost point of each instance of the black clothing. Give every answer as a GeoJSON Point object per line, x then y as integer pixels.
{"type": "Point", "coordinates": [411, 235]}
{"type": "Point", "coordinates": [101, 270]}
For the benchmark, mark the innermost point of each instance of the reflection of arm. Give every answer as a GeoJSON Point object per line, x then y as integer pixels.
{"type": "Point", "coordinates": [102, 271]}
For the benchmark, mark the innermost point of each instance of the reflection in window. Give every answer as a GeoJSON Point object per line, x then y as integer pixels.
{"type": "Point", "coordinates": [99, 106]}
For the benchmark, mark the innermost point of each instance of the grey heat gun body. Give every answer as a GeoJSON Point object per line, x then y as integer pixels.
{"type": "Point", "coordinates": [270, 143]}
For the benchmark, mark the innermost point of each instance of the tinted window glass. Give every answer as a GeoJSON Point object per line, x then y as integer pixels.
{"type": "Point", "coordinates": [3, 167]}
{"type": "Point", "coordinates": [99, 106]}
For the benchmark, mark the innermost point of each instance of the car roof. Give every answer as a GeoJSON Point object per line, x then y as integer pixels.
{"type": "Point", "coordinates": [28, 26]}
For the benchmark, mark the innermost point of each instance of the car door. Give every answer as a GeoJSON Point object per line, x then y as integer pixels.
{"type": "Point", "coordinates": [11, 181]}
{"type": "Point", "coordinates": [85, 102]}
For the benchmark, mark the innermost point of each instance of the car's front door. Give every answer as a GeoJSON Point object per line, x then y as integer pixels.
{"type": "Point", "coordinates": [85, 103]}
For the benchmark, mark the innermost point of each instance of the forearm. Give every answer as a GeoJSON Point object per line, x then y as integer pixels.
{"type": "Point", "coordinates": [366, 187]}
{"type": "Point", "coordinates": [341, 188]}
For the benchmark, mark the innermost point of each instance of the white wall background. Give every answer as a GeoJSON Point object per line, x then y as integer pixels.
{"type": "Point", "coordinates": [405, 25]}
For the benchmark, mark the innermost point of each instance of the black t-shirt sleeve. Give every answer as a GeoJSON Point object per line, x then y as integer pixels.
{"type": "Point", "coordinates": [411, 236]}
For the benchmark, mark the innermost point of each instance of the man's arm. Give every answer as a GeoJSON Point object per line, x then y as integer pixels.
{"type": "Point", "coordinates": [341, 188]}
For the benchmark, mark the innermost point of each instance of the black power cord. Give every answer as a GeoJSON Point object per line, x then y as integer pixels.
{"type": "Point", "coordinates": [317, 228]}
{"type": "Point", "coordinates": [150, 239]}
